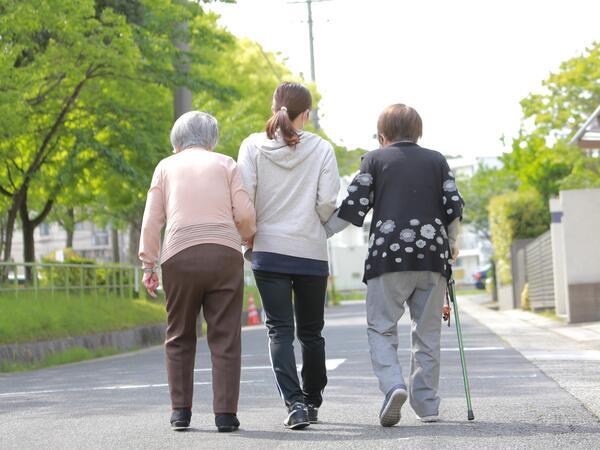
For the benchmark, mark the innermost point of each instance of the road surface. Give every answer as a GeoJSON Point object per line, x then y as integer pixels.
{"type": "Point", "coordinates": [122, 402]}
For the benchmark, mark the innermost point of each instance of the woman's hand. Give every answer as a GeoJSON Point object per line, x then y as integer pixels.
{"type": "Point", "coordinates": [455, 252]}
{"type": "Point", "coordinates": [249, 243]}
{"type": "Point", "coordinates": [150, 282]}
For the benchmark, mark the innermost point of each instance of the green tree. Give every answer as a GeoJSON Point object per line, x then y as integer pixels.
{"type": "Point", "coordinates": [478, 190]}
{"type": "Point", "coordinates": [541, 157]}
{"type": "Point", "coordinates": [254, 74]}
{"type": "Point", "coordinates": [88, 89]}
{"type": "Point", "coordinates": [57, 51]}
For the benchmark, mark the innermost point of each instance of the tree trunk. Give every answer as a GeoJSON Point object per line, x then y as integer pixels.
{"type": "Point", "coordinates": [29, 225]}
{"type": "Point", "coordinates": [11, 218]}
{"type": "Point", "coordinates": [115, 244]}
{"type": "Point", "coordinates": [134, 242]}
{"type": "Point", "coordinates": [70, 227]}
{"type": "Point", "coordinates": [2, 227]}
{"type": "Point", "coordinates": [70, 234]}
{"type": "Point", "coordinates": [28, 246]}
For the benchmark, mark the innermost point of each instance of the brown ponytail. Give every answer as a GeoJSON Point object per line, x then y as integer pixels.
{"type": "Point", "coordinates": [289, 101]}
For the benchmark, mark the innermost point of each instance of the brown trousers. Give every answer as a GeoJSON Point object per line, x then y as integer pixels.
{"type": "Point", "coordinates": [211, 277]}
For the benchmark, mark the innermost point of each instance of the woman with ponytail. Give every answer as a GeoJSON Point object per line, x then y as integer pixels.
{"type": "Point", "coordinates": [292, 177]}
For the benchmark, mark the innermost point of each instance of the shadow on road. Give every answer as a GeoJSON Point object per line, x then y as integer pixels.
{"type": "Point", "coordinates": [332, 431]}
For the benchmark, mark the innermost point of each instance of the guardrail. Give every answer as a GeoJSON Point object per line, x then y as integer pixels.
{"type": "Point", "coordinates": [71, 279]}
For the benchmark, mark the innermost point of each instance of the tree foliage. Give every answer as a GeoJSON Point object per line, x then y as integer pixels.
{"type": "Point", "coordinates": [541, 157]}
{"type": "Point", "coordinates": [478, 190]}
{"type": "Point", "coordinates": [86, 100]}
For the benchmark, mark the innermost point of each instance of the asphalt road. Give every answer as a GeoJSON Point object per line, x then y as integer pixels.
{"type": "Point", "coordinates": [122, 402]}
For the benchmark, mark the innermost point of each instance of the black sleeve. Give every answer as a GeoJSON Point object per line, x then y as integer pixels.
{"type": "Point", "coordinates": [360, 197]}
{"type": "Point", "coordinates": [453, 202]}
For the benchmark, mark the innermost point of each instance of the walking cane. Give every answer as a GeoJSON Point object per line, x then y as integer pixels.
{"type": "Point", "coordinates": [461, 349]}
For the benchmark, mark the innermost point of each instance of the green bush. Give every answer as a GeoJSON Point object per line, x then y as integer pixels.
{"type": "Point", "coordinates": [515, 215]}
{"type": "Point", "coordinates": [61, 277]}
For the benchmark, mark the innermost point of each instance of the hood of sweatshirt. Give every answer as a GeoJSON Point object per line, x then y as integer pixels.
{"type": "Point", "coordinates": [280, 154]}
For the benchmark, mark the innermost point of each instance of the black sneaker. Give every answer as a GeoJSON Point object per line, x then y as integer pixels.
{"type": "Point", "coordinates": [180, 419]}
{"type": "Point", "coordinates": [227, 422]}
{"type": "Point", "coordinates": [313, 413]}
{"type": "Point", "coordinates": [297, 417]}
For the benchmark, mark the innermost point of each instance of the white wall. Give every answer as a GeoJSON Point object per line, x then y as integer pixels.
{"type": "Point", "coordinates": [577, 253]}
{"type": "Point", "coordinates": [581, 224]}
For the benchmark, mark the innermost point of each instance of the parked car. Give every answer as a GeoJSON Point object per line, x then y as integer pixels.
{"type": "Point", "coordinates": [481, 276]}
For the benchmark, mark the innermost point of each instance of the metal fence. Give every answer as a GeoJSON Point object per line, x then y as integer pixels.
{"type": "Point", "coordinates": [41, 279]}
{"type": "Point", "coordinates": [540, 273]}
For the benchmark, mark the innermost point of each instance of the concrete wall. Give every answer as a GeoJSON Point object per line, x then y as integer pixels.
{"type": "Point", "coordinates": [561, 292]}
{"type": "Point", "coordinates": [122, 340]}
{"type": "Point", "coordinates": [506, 298]}
{"type": "Point", "coordinates": [348, 266]}
{"type": "Point", "coordinates": [519, 269]}
{"type": "Point", "coordinates": [581, 245]}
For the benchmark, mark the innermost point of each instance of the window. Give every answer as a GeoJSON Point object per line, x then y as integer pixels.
{"type": "Point", "coordinates": [44, 229]}
{"type": "Point", "coordinates": [100, 237]}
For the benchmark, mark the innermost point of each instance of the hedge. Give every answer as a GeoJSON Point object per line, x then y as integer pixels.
{"type": "Point", "coordinates": [515, 215]}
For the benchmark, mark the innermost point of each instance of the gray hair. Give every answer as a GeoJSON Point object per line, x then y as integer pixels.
{"type": "Point", "coordinates": [195, 129]}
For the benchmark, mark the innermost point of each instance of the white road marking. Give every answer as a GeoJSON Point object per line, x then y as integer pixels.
{"type": "Point", "coordinates": [108, 388]}
{"type": "Point", "coordinates": [475, 349]}
{"type": "Point", "coordinates": [330, 364]}
{"type": "Point", "coordinates": [471, 377]}
{"type": "Point", "coordinates": [450, 349]}
{"type": "Point", "coordinates": [494, 377]}
{"type": "Point", "coordinates": [333, 364]}
{"type": "Point", "coordinates": [570, 355]}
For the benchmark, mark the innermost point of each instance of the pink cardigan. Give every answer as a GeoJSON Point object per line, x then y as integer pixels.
{"type": "Point", "coordinates": [200, 196]}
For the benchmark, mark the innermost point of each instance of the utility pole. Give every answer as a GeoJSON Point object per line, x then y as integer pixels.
{"type": "Point", "coordinates": [311, 39]}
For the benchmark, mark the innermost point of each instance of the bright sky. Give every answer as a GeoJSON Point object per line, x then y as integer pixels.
{"type": "Point", "coordinates": [463, 64]}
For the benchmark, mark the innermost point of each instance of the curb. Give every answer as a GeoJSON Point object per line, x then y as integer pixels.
{"type": "Point", "coordinates": [134, 338]}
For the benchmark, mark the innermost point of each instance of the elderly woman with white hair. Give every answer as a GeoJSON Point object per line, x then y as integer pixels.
{"type": "Point", "coordinates": [200, 197]}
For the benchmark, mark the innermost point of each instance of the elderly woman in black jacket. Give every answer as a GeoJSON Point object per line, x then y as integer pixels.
{"type": "Point", "coordinates": [416, 210]}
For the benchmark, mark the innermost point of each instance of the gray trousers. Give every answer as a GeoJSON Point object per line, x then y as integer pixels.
{"type": "Point", "coordinates": [423, 292]}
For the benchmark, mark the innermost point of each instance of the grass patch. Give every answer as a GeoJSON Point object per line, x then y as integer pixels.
{"type": "Point", "coordinates": [549, 313]}
{"type": "Point", "coordinates": [355, 294]}
{"type": "Point", "coordinates": [74, 354]}
{"type": "Point", "coordinates": [26, 318]}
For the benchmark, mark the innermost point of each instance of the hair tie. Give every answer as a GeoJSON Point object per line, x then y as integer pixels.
{"type": "Point", "coordinates": [283, 108]}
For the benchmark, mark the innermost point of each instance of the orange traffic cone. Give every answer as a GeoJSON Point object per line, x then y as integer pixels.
{"type": "Point", "coordinates": [253, 318]}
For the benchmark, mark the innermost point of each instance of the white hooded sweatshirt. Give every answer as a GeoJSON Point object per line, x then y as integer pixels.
{"type": "Point", "coordinates": [294, 190]}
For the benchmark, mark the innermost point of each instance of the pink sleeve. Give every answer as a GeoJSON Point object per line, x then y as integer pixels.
{"type": "Point", "coordinates": [153, 221]}
{"type": "Point", "coordinates": [244, 214]}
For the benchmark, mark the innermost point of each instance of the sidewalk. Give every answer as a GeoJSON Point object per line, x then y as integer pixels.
{"type": "Point", "coordinates": [569, 354]}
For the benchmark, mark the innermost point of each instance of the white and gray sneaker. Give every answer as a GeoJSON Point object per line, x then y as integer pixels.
{"type": "Point", "coordinates": [297, 417]}
{"type": "Point", "coordinates": [392, 404]}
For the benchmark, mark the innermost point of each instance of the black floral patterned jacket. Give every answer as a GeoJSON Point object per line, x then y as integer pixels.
{"type": "Point", "coordinates": [414, 198]}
